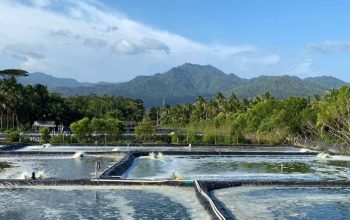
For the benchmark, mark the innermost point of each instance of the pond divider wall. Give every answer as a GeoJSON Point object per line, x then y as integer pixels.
{"type": "Point", "coordinates": [215, 185]}
{"type": "Point", "coordinates": [13, 147]}
{"type": "Point", "coordinates": [117, 170]}
{"type": "Point", "coordinates": [89, 182]}
{"type": "Point", "coordinates": [213, 207]}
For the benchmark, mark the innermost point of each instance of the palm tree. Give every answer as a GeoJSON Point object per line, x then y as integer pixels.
{"type": "Point", "coordinates": [234, 103]}
{"type": "Point", "coordinates": [2, 109]}
{"type": "Point", "coordinates": [220, 103]}
{"type": "Point", "coordinates": [13, 72]}
{"type": "Point", "coordinates": [13, 93]}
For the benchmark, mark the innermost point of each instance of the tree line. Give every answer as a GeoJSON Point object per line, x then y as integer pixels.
{"type": "Point", "coordinates": [263, 120]}
{"type": "Point", "coordinates": [220, 120]}
{"type": "Point", "coordinates": [21, 105]}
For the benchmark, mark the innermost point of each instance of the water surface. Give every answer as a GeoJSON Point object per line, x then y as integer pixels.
{"type": "Point", "coordinates": [286, 202]}
{"type": "Point", "coordinates": [82, 202]}
{"type": "Point", "coordinates": [240, 168]}
{"type": "Point", "coordinates": [54, 167]}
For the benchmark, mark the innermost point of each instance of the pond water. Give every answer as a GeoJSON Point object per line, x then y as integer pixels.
{"type": "Point", "coordinates": [286, 202]}
{"type": "Point", "coordinates": [54, 167]}
{"type": "Point", "coordinates": [240, 168]}
{"type": "Point", "coordinates": [83, 202]}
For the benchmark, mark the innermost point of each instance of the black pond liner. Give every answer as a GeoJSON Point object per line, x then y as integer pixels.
{"type": "Point", "coordinates": [6, 153]}
{"type": "Point", "coordinates": [89, 182]}
{"type": "Point", "coordinates": [13, 147]}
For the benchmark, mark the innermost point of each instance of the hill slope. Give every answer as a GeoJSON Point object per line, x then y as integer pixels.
{"type": "Point", "coordinates": [184, 83]}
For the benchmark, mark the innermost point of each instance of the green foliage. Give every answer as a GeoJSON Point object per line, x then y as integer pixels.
{"type": "Point", "coordinates": [163, 139]}
{"type": "Point", "coordinates": [13, 73]}
{"type": "Point", "coordinates": [144, 131]}
{"type": "Point", "coordinates": [113, 128]}
{"type": "Point", "coordinates": [81, 129]}
{"type": "Point", "coordinates": [209, 137]}
{"type": "Point", "coordinates": [110, 128]}
{"type": "Point", "coordinates": [264, 119]}
{"type": "Point", "coordinates": [63, 139]}
{"type": "Point", "coordinates": [12, 136]}
{"type": "Point", "coordinates": [22, 105]}
{"type": "Point", "coordinates": [45, 135]}
{"type": "Point", "coordinates": [333, 115]}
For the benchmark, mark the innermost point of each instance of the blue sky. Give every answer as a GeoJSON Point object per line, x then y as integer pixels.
{"type": "Point", "coordinates": [108, 40]}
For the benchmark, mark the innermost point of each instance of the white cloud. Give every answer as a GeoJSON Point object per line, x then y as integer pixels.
{"type": "Point", "coordinates": [146, 45]}
{"type": "Point", "coordinates": [126, 47]}
{"type": "Point", "coordinates": [87, 41]}
{"type": "Point", "coordinates": [112, 29]}
{"type": "Point", "coordinates": [152, 44]}
{"type": "Point", "coordinates": [329, 46]}
{"type": "Point", "coordinates": [22, 52]}
{"type": "Point", "coordinates": [95, 43]}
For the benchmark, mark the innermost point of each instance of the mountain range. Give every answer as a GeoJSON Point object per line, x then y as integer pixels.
{"type": "Point", "coordinates": [184, 83]}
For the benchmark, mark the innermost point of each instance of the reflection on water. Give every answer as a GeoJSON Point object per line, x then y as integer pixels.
{"type": "Point", "coordinates": [240, 168]}
{"type": "Point", "coordinates": [55, 167]}
{"type": "Point", "coordinates": [89, 203]}
{"type": "Point", "coordinates": [286, 202]}
{"type": "Point", "coordinates": [4, 164]}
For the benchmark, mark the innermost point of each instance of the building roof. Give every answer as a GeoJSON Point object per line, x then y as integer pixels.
{"type": "Point", "coordinates": [44, 124]}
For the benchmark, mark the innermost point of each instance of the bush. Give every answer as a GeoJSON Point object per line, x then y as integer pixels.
{"type": "Point", "coordinates": [209, 138]}
{"type": "Point", "coordinates": [58, 139]}
{"type": "Point", "coordinates": [144, 131]}
{"type": "Point", "coordinates": [194, 139]}
{"type": "Point", "coordinates": [163, 139]}
{"type": "Point", "coordinates": [12, 136]}
{"type": "Point", "coordinates": [62, 139]}
{"type": "Point", "coordinates": [45, 135]}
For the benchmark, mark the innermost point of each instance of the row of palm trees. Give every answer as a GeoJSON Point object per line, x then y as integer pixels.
{"type": "Point", "coordinates": [10, 98]}
{"type": "Point", "coordinates": [21, 105]}
{"type": "Point", "coordinates": [204, 109]}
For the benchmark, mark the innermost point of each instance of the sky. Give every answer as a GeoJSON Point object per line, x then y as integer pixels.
{"type": "Point", "coordinates": [116, 40]}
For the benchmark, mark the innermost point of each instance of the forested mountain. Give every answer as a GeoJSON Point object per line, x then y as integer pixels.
{"type": "Point", "coordinates": [48, 80]}
{"type": "Point", "coordinates": [53, 82]}
{"type": "Point", "coordinates": [279, 86]}
{"type": "Point", "coordinates": [184, 83]}
{"type": "Point", "coordinates": [325, 82]}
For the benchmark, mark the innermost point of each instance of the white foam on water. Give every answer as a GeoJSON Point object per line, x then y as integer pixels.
{"type": "Point", "coordinates": [47, 145]}
{"type": "Point", "coordinates": [160, 156]}
{"type": "Point", "coordinates": [121, 204]}
{"type": "Point", "coordinates": [152, 156]}
{"type": "Point", "coordinates": [25, 175]}
{"type": "Point", "coordinates": [323, 155]}
{"type": "Point", "coordinates": [78, 154]}
{"type": "Point", "coordinates": [40, 175]}
{"type": "Point", "coordinates": [340, 157]}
